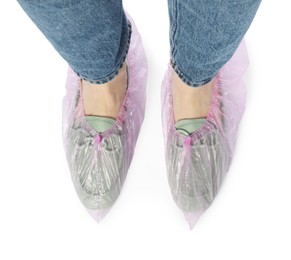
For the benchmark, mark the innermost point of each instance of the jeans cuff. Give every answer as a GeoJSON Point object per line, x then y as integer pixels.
{"type": "Point", "coordinates": [185, 79]}
{"type": "Point", "coordinates": [112, 75]}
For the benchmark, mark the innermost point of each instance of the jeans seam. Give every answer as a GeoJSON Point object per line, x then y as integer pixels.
{"type": "Point", "coordinates": [174, 25]}
{"type": "Point", "coordinates": [175, 14]}
{"type": "Point", "coordinates": [116, 71]}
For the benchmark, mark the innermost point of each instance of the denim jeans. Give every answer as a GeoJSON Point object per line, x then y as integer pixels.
{"type": "Point", "coordinates": [93, 36]}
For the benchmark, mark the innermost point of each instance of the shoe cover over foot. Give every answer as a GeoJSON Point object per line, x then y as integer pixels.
{"type": "Point", "coordinates": [196, 164]}
{"type": "Point", "coordinates": [99, 162]}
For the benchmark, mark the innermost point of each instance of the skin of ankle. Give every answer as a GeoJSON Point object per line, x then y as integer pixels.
{"type": "Point", "coordinates": [105, 99]}
{"type": "Point", "coordinates": [190, 102]}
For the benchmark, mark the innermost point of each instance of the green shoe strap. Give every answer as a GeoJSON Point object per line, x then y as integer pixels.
{"type": "Point", "coordinates": [189, 126]}
{"type": "Point", "coordinates": [100, 123]}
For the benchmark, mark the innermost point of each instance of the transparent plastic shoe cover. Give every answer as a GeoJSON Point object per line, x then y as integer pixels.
{"type": "Point", "coordinates": [196, 164]}
{"type": "Point", "coordinates": [99, 162]}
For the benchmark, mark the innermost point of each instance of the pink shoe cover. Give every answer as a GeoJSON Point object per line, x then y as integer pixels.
{"type": "Point", "coordinates": [99, 162]}
{"type": "Point", "coordinates": [197, 164]}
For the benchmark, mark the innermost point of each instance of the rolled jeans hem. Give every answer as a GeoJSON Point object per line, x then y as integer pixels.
{"type": "Point", "coordinates": [182, 76]}
{"type": "Point", "coordinates": [112, 75]}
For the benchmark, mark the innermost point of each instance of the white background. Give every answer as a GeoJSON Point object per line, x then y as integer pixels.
{"type": "Point", "coordinates": [41, 216]}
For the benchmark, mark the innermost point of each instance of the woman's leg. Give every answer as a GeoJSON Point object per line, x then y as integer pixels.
{"type": "Point", "coordinates": [204, 35]}
{"type": "Point", "coordinates": [93, 36]}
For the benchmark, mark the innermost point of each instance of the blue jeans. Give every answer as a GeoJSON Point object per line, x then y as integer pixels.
{"type": "Point", "coordinates": [93, 36]}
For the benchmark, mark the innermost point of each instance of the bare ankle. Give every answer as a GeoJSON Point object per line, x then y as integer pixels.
{"type": "Point", "coordinates": [105, 99]}
{"type": "Point", "coordinates": [190, 102]}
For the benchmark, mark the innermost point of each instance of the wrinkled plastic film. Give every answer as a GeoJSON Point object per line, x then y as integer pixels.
{"type": "Point", "coordinates": [99, 162]}
{"type": "Point", "coordinates": [197, 164]}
